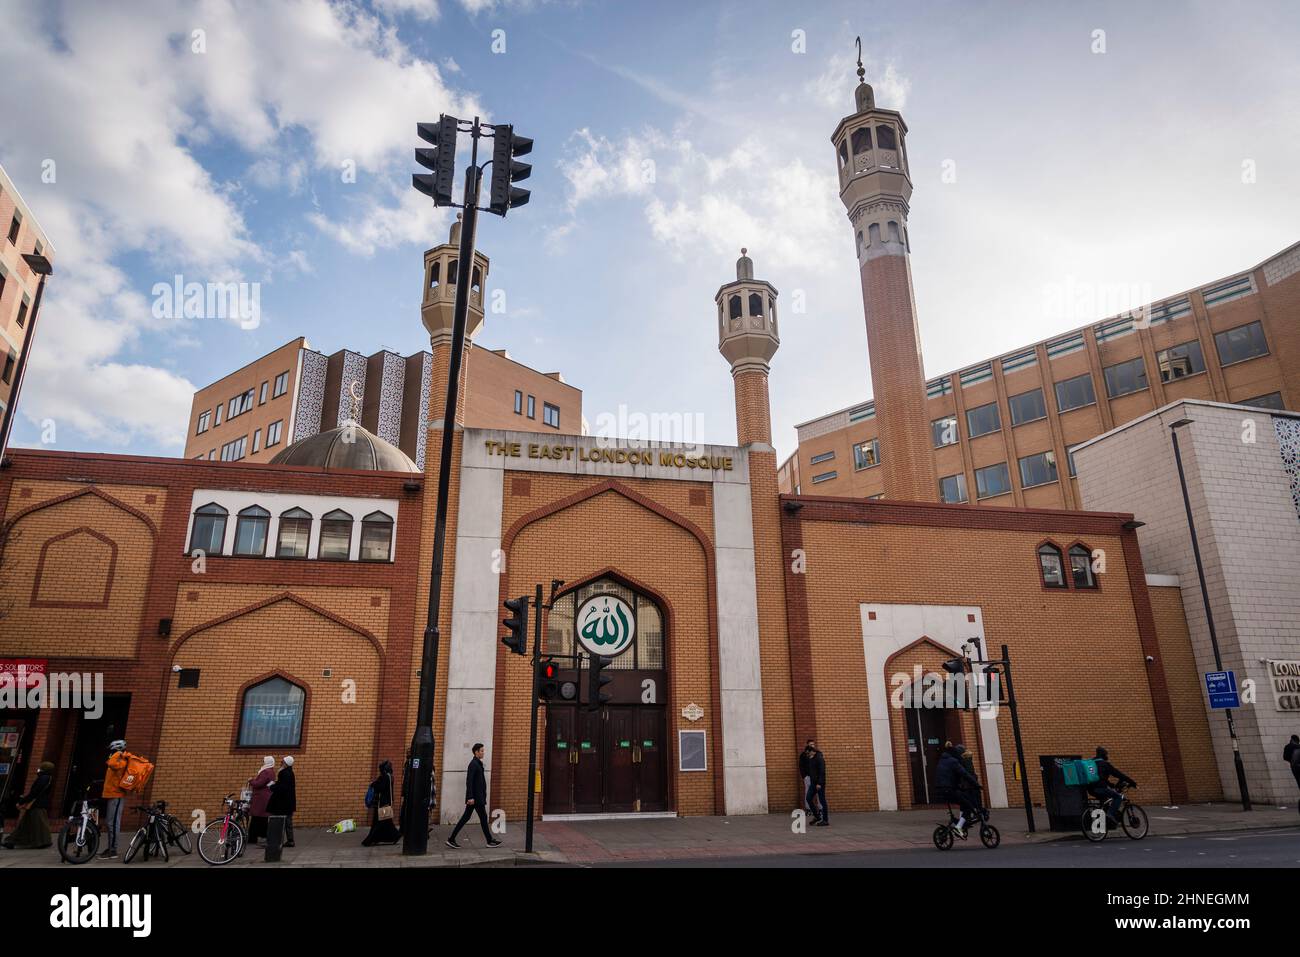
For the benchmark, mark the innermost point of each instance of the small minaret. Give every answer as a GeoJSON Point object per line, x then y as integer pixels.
{"type": "Point", "coordinates": [747, 337]}
{"type": "Point", "coordinates": [442, 273]}
{"type": "Point", "coordinates": [875, 188]}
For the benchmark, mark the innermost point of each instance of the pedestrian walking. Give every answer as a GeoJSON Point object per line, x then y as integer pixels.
{"type": "Point", "coordinates": [260, 785]}
{"type": "Point", "coordinates": [475, 799]}
{"type": "Point", "coordinates": [805, 775]}
{"type": "Point", "coordinates": [113, 794]}
{"type": "Point", "coordinates": [380, 798]}
{"type": "Point", "coordinates": [1291, 755]}
{"type": "Point", "coordinates": [33, 829]}
{"type": "Point", "coordinates": [816, 794]}
{"type": "Point", "coordinates": [284, 797]}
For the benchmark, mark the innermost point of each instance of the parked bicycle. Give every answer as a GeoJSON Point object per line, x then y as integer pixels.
{"type": "Point", "coordinates": [1096, 820]}
{"type": "Point", "coordinates": [152, 835]}
{"type": "Point", "coordinates": [946, 833]}
{"type": "Point", "coordinates": [178, 835]}
{"type": "Point", "coordinates": [223, 839]}
{"type": "Point", "coordinates": [79, 838]}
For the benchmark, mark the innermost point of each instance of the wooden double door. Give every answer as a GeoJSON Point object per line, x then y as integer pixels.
{"type": "Point", "coordinates": [614, 760]}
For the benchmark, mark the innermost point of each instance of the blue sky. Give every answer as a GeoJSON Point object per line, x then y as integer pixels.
{"type": "Point", "coordinates": [1053, 181]}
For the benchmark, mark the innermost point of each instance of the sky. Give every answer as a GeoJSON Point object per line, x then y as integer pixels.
{"type": "Point", "coordinates": [1068, 161]}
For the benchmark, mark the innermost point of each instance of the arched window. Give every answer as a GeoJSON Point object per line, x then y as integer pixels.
{"type": "Point", "coordinates": [894, 235]}
{"type": "Point", "coordinates": [756, 305]}
{"type": "Point", "coordinates": [335, 536]}
{"type": "Point", "coordinates": [476, 279]}
{"type": "Point", "coordinates": [1081, 567]}
{"type": "Point", "coordinates": [734, 307]}
{"type": "Point", "coordinates": [270, 714]}
{"type": "Point", "coordinates": [771, 311]}
{"type": "Point", "coordinates": [873, 234]}
{"type": "Point", "coordinates": [209, 532]}
{"type": "Point", "coordinates": [451, 272]}
{"type": "Point", "coordinates": [1051, 566]}
{"type": "Point", "coordinates": [844, 153]}
{"type": "Point", "coordinates": [859, 244]}
{"type": "Point", "coordinates": [250, 531]}
{"type": "Point", "coordinates": [647, 649]}
{"type": "Point", "coordinates": [294, 534]}
{"type": "Point", "coordinates": [861, 140]}
{"type": "Point", "coordinates": [885, 138]}
{"type": "Point", "coordinates": [376, 537]}
{"type": "Point", "coordinates": [435, 272]}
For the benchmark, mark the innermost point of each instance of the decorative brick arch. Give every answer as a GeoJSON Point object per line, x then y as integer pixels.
{"type": "Point", "coordinates": [706, 546]}
{"type": "Point", "coordinates": [78, 493]}
{"type": "Point", "coordinates": [38, 576]}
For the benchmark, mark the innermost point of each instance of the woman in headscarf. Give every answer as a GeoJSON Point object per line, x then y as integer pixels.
{"type": "Point", "coordinates": [261, 787]}
{"type": "Point", "coordinates": [33, 830]}
{"type": "Point", "coordinates": [383, 830]}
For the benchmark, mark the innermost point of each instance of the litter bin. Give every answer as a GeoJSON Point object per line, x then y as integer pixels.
{"type": "Point", "coordinates": [1063, 803]}
{"type": "Point", "coordinates": [275, 837]}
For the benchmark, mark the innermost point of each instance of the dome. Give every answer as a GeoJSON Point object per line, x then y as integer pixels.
{"type": "Point", "coordinates": [347, 447]}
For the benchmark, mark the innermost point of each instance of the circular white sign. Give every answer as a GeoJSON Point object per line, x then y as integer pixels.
{"type": "Point", "coordinates": [605, 625]}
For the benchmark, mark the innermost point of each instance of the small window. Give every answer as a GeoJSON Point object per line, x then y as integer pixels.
{"type": "Point", "coordinates": [1271, 401]}
{"type": "Point", "coordinates": [866, 454]}
{"type": "Point", "coordinates": [14, 224]}
{"type": "Point", "coordinates": [250, 531]}
{"type": "Point", "coordinates": [188, 678]}
{"type": "Point", "coordinates": [551, 415]}
{"type": "Point", "coordinates": [735, 307]}
{"type": "Point", "coordinates": [755, 305]}
{"type": "Point", "coordinates": [1038, 469]}
{"type": "Point", "coordinates": [1179, 362]}
{"type": "Point", "coordinates": [873, 234]}
{"type": "Point", "coordinates": [1125, 378]}
{"type": "Point", "coordinates": [982, 420]}
{"type": "Point", "coordinates": [945, 431]}
{"type": "Point", "coordinates": [281, 385]}
{"type": "Point", "coordinates": [234, 451]}
{"type": "Point", "coordinates": [844, 153]}
{"type": "Point", "coordinates": [271, 715]}
{"type": "Point", "coordinates": [992, 480]}
{"type": "Point", "coordinates": [822, 457]}
{"type": "Point", "coordinates": [519, 402]}
{"type": "Point", "coordinates": [209, 533]}
{"type": "Point", "coordinates": [861, 140]}
{"type": "Point", "coordinates": [1081, 567]}
{"type": "Point", "coordinates": [824, 477]}
{"type": "Point", "coordinates": [205, 420]}
{"type": "Point", "coordinates": [885, 138]}
{"type": "Point", "coordinates": [476, 279]}
{"type": "Point", "coordinates": [434, 271]}
{"type": "Point", "coordinates": [21, 318]}
{"type": "Point", "coordinates": [335, 536]}
{"type": "Point", "coordinates": [261, 397]}
{"type": "Point", "coordinates": [257, 440]}
{"type": "Point", "coordinates": [220, 406]}
{"type": "Point", "coordinates": [532, 407]}
{"type": "Point", "coordinates": [1027, 407]}
{"type": "Point", "coordinates": [294, 534]}
{"type": "Point", "coordinates": [273, 432]}
{"type": "Point", "coordinates": [1075, 393]}
{"type": "Point", "coordinates": [376, 537]}
{"type": "Point", "coordinates": [1051, 566]}
{"type": "Point", "coordinates": [8, 374]}
{"type": "Point", "coordinates": [451, 272]}
{"type": "Point", "coordinates": [952, 488]}
{"type": "Point", "coordinates": [1244, 342]}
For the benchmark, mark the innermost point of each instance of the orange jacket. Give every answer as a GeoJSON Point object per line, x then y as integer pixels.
{"type": "Point", "coordinates": [113, 776]}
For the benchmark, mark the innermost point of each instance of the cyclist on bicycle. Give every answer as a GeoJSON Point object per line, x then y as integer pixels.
{"type": "Point", "coordinates": [955, 785]}
{"type": "Point", "coordinates": [1102, 789]}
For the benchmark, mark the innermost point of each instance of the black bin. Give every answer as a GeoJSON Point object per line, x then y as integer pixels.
{"type": "Point", "coordinates": [274, 837]}
{"type": "Point", "coordinates": [1063, 803]}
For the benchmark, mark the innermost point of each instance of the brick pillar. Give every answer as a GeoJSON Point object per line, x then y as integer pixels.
{"type": "Point", "coordinates": [753, 411]}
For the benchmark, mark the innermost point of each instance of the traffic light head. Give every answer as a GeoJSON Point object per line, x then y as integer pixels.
{"type": "Point", "coordinates": [441, 158]}
{"type": "Point", "coordinates": [506, 170]}
{"type": "Point", "coordinates": [596, 680]}
{"type": "Point", "coordinates": [548, 679]}
{"type": "Point", "coordinates": [516, 638]}
{"type": "Point", "coordinates": [955, 666]}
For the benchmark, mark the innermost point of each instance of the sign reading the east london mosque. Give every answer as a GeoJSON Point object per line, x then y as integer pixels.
{"type": "Point", "coordinates": [618, 455]}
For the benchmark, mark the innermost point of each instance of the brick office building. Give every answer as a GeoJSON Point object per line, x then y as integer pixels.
{"type": "Point", "coordinates": [744, 621]}
{"type": "Point", "coordinates": [22, 236]}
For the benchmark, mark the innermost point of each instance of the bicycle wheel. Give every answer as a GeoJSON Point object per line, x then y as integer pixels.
{"type": "Point", "coordinates": [137, 842]}
{"type": "Point", "coordinates": [1093, 824]}
{"type": "Point", "coordinates": [990, 836]}
{"type": "Point", "coordinates": [1135, 822]}
{"type": "Point", "coordinates": [76, 851]}
{"type": "Point", "coordinates": [179, 835]}
{"type": "Point", "coordinates": [218, 848]}
{"type": "Point", "coordinates": [160, 838]}
{"type": "Point", "coordinates": [942, 837]}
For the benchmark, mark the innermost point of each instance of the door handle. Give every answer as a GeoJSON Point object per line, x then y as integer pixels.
{"type": "Point", "coordinates": [573, 757]}
{"type": "Point", "coordinates": [636, 754]}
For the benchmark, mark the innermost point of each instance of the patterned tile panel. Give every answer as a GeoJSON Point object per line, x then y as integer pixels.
{"type": "Point", "coordinates": [392, 379]}
{"type": "Point", "coordinates": [354, 369]}
{"type": "Point", "coordinates": [1288, 440]}
{"type": "Point", "coordinates": [311, 395]}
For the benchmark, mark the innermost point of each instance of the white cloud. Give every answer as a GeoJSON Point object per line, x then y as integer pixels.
{"type": "Point", "coordinates": [834, 86]}
{"type": "Point", "coordinates": [413, 219]}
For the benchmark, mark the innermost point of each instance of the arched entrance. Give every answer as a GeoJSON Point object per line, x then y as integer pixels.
{"type": "Point", "coordinates": [614, 760]}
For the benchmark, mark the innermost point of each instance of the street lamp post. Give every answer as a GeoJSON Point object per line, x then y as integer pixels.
{"type": "Point", "coordinates": [1209, 615]}
{"type": "Point", "coordinates": [41, 266]}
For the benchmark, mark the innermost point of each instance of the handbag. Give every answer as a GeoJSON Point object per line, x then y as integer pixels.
{"type": "Point", "coordinates": [385, 813]}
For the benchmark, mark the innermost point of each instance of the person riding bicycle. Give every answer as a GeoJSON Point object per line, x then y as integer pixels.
{"type": "Point", "coordinates": [955, 784]}
{"type": "Point", "coordinates": [1102, 789]}
{"type": "Point", "coordinates": [967, 759]}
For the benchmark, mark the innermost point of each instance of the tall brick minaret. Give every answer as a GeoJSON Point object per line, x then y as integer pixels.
{"type": "Point", "coordinates": [442, 272]}
{"type": "Point", "coordinates": [747, 338]}
{"type": "Point", "coordinates": [875, 188]}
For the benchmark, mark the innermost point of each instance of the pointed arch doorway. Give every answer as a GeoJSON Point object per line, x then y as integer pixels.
{"type": "Point", "coordinates": [615, 760]}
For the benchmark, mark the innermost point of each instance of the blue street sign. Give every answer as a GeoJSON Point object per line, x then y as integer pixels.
{"type": "Point", "coordinates": [1222, 687]}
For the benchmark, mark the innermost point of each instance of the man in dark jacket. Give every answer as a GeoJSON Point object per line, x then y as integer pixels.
{"type": "Point", "coordinates": [33, 829]}
{"type": "Point", "coordinates": [805, 776]}
{"type": "Point", "coordinates": [950, 779]}
{"type": "Point", "coordinates": [284, 797]}
{"type": "Point", "coordinates": [475, 800]}
{"type": "Point", "coordinates": [1103, 789]}
{"type": "Point", "coordinates": [816, 795]}
{"type": "Point", "coordinates": [1291, 755]}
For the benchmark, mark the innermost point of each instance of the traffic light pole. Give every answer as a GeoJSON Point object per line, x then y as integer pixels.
{"type": "Point", "coordinates": [418, 779]}
{"type": "Point", "coordinates": [1015, 731]}
{"type": "Point", "coordinates": [532, 726]}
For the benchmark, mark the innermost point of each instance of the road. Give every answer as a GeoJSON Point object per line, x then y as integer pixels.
{"type": "Point", "coordinates": [1277, 847]}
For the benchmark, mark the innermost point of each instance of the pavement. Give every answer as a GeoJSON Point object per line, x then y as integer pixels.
{"type": "Point", "coordinates": [764, 837]}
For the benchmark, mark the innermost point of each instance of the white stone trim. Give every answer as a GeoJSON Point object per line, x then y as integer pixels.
{"type": "Point", "coordinates": [896, 627]}
{"type": "Point", "coordinates": [1162, 581]}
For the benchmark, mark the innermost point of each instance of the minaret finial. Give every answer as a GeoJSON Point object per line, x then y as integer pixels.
{"type": "Point", "coordinates": [862, 72]}
{"type": "Point", "coordinates": [864, 97]}
{"type": "Point", "coordinates": [354, 407]}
